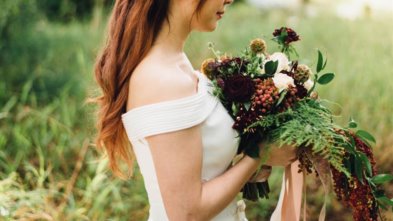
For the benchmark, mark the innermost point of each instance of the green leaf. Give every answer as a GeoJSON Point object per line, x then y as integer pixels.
{"type": "Point", "coordinates": [385, 200]}
{"type": "Point", "coordinates": [282, 96]}
{"type": "Point", "coordinates": [366, 164]}
{"type": "Point", "coordinates": [352, 123]}
{"type": "Point", "coordinates": [247, 105]}
{"type": "Point", "coordinates": [359, 168]}
{"type": "Point", "coordinates": [348, 164]}
{"type": "Point", "coordinates": [378, 193]}
{"type": "Point", "coordinates": [234, 109]}
{"type": "Point", "coordinates": [324, 65]}
{"type": "Point", "coordinates": [10, 104]}
{"type": "Point", "coordinates": [271, 67]}
{"type": "Point", "coordinates": [351, 146]}
{"type": "Point", "coordinates": [326, 78]}
{"type": "Point", "coordinates": [364, 135]}
{"type": "Point", "coordinates": [320, 62]}
{"type": "Point", "coordinates": [382, 178]}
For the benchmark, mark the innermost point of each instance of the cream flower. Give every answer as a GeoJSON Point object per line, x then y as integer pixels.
{"type": "Point", "coordinates": [282, 81]}
{"type": "Point", "coordinates": [308, 84]}
{"type": "Point", "coordinates": [283, 62]}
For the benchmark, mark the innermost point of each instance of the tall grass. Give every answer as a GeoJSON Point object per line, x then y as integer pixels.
{"type": "Point", "coordinates": [49, 169]}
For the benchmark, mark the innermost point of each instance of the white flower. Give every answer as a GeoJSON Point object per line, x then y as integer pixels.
{"type": "Point", "coordinates": [283, 62]}
{"type": "Point", "coordinates": [282, 81]}
{"type": "Point", "coordinates": [308, 84]}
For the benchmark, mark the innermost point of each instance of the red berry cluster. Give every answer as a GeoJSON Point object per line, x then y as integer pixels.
{"type": "Point", "coordinates": [354, 193]}
{"type": "Point", "coordinates": [265, 97]}
{"type": "Point", "coordinates": [290, 99]}
{"type": "Point", "coordinates": [262, 103]}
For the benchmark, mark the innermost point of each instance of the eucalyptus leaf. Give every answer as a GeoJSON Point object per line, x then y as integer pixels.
{"type": "Point", "coordinates": [320, 62]}
{"type": "Point", "coordinates": [326, 78]}
{"type": "Point", "coordinates": [271, 67]}
{"type": "Point", "coordinates": [364, 135]}
{"type": "Point", "coordinates": [382, 178]}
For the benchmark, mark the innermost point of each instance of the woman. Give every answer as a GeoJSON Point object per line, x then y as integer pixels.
{"type": "Point", "coordinates": [152, 98]}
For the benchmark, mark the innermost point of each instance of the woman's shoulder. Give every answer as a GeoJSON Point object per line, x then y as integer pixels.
{"type": "Point", "coordinates": [154, 81]}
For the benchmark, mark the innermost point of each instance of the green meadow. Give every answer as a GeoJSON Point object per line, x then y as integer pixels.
{"type": "Point", "coordinates": [49, 168]}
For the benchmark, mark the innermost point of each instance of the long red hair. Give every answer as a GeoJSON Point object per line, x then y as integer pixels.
{"type": "Point", "coordinates": [133, 26]}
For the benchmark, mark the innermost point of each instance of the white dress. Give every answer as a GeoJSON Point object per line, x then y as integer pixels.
{"type": "Point", "coordinates": [220, 141]}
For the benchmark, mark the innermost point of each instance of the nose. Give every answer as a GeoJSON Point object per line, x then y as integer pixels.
{"type": "Point", "coordinates": [228, 2]}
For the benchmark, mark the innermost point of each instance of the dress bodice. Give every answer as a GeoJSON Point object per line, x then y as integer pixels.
{"type": "Point", "coordinates": [220, 141]}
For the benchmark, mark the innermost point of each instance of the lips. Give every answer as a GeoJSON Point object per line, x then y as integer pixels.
{"type": "Point", "coordinates": [220, 14]}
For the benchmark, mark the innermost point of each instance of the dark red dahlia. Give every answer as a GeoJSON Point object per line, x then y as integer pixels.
{"type": "Point", "coordinates": [301, 91]}
{"type": "Point", "coordinates": [286, 35]}
{"type": "Point", "coordinates": [238, 88]}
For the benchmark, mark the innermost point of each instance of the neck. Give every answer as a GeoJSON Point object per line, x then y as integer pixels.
{"type": "Point", "coordinates": [173, 34]}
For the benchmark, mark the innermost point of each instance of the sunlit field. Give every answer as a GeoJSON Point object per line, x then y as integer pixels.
{"type": "Point", "coordinates": [49, 169]}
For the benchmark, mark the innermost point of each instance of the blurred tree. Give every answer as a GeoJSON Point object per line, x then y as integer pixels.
{"type": "Point", "coordinates": [30, 52]}
{"type": "Point", "coordinates": [68, 10]}
{"type": "Point", "coordinates": [17, 18]}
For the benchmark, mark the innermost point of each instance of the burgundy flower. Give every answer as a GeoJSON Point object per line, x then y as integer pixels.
{"type": "Point", "coordinates": [221, 83]}
{"type": "Point", "coordinates": [286, 35]}
{"type": "Point", "coordinates": [239, 88]}
{"type": "Point", "coordinates": [301, 91]}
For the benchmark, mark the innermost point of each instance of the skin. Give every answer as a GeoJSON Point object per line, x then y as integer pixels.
{"type": "Point", "coordinates": [170, 75]}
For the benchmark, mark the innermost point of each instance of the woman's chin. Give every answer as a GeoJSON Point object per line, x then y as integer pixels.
{"type": "Point", "coordinates": [208, 28]}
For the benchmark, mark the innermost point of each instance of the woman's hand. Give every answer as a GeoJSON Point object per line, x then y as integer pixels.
{"type": "Point", "coordinates": [278, 156]}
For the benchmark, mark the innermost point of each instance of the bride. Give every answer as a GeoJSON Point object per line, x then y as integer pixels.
{"type": "Point", "coordinates": [181, 136]}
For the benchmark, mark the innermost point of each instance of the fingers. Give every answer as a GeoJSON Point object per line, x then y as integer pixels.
{"type": "Point", "coordinates": [262, 175]}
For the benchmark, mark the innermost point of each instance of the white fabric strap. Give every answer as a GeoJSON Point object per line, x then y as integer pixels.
{"type": "Point", "coordinates": [169, 116]}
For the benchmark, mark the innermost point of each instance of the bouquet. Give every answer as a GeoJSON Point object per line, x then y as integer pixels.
{"type": "Point", "coordinates": [272, 99]}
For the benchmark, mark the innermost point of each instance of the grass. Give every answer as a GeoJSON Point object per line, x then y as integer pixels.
{"type": "Point", "coordinates": [49, 169]}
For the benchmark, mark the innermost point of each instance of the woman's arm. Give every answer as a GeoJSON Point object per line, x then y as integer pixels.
{"type": "Point", "coordinates": [178, 161]}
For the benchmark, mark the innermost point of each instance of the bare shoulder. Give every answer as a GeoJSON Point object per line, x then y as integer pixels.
{"type": "Point", "coordinates": [154, 81]}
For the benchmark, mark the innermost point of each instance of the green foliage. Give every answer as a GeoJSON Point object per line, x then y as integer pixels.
{"type": "Point", "coordinates": [29, 51]}
{"type": "Point", "coordinates": [310, 124]}
{"type": "Point", "coordinates": [69, 10]}
{"type": "Point", "coordinates": [326, 78]}
{"type": "Point", "coordinates": [271, 67]}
